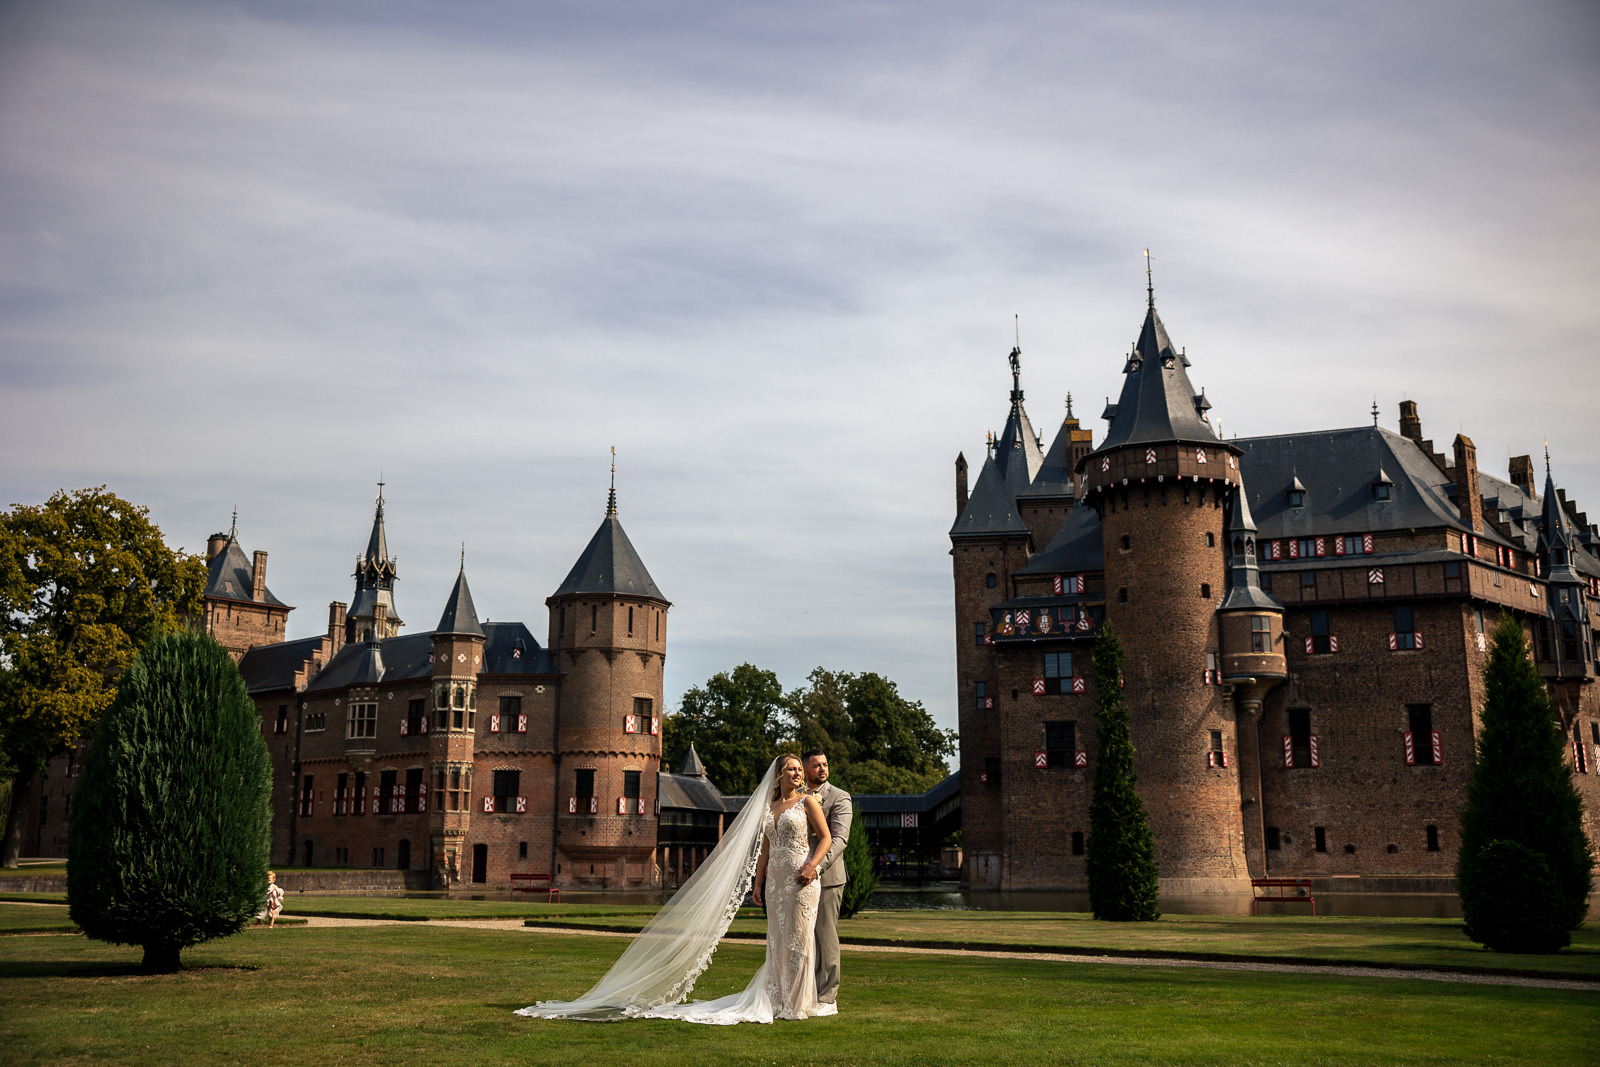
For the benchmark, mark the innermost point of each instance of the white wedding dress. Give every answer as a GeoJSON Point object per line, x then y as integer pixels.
{"type": "Point", "coordinates": [658, 970]}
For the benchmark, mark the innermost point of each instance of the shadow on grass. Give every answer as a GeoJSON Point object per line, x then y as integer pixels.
{"type": "Point", "coordinates": [65, 969]}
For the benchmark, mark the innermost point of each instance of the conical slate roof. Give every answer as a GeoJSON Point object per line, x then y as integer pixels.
{"type": "Point", "coordinates": [609, 564]}
{"type": "Point", "coordinates": [692, 767]}
{"type": "Point", "coordinates": [460, 617]}
{"type": "Point", "coordinates": [1556, 538]}
{"type": "Point", "coordinates": [230, 576]}
{"type": "Point", "coordinates": [1244, 575]}
{"type": "Point", "coordinates": [1158, 403]}
{"type": "Point", "coordinates": [1054, 477]}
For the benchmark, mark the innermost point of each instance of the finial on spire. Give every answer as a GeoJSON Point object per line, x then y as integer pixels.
{"type": "Point", "coordinates": [1149, 280]}
{"type": "Point", "coordinates": [1015, 358]}
{"type": "Point", "coordinates": [1069, 405]}
{"type": "Point", "coordinates": [233, 526]}
{"type": "Point", "coordinates": [463, 555]}
{"type": "Point", "coordinates": [611, 499]}
{"type": "Point", "coordinates": [1374, 411]}
{"type": "Point", "coordinates": [1547, 457]}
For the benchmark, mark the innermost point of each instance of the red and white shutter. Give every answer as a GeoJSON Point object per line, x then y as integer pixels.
{"type": "Point", "coordinates": [488, 805]}
{"type": "Point", "coordinates": [522, 724]}
{"type": "Point", "coordinates": [422, 796]}
{"type": "Point", "coordinates": [1288, 750]}
{"type": "Point", "coordinates": [494, 723]}
{"type": "Point", "coordinates": [1394, 641]}
{"type": "Point", "coordinates": [1041, 760]}
{"type": "Point", "coordinates": [655, 725]}
{"type": "Point", "coordinates": [1322, 546]}
{"type": "Point", "coordinates": [630, 724]}
{"type": "Point", "coordinates": [1333, 642]}
{"type": "Point", "coordinates": [1080, 758]}
{"type": "Point", "coordinates": [572, 805]}
{"type": "Point", "coordinates": [1416, 639]}
{"type": "Point", "coordinates": [641, 805]}
{"type": "Point", "coordinates": [1079, 685]}
{"type": "Point", "coordinates": [1316, 755]}
{"type": "Point", "coordinates": [1411, 749]}
{"type": "Point", "coordinates": [424, 724]}
{"type": "Point", "coordinates": [1294, 548]}
{"type": "Point", "coordinates": [1055, 585]}
{"type": "Point", "coordinates": [594, 805]}
{"type": "Point", "coordinates": [1438, 749]}
{"type": "Point", "coordinates": [1366, 543]}
{"type": "Point", "coordinates": [1038, 687]}
{"type": "Point", "coordinates": [622, 805]}
{"type": "Point", "coordinates": [402, 727]}
{"type": "Point", "coordinates": [1309, 646]}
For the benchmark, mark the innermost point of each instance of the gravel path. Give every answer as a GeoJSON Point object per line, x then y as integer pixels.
{"type": "Point", "coordinates": [1580, 984]}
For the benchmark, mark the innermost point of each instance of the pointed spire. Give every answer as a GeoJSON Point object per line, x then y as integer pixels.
{"type": "Point", "coordinates": [691, 766]}
{"type": "Point", "coordinates": [375, 575]}
{"type": "Point", "coordinates": [611, 499]}
{"type": "Point", "coordinates": [460, 616]}
{"type": "Point", "coordinates": [609, 564]}
{"type": "Point", "coordinates": [233, 524]}
{"type": "Point", "coordinates": [1158, 403]}
{"type": "Point", "coordinates": [1244, 572]}
{"type": "Point", "coordinates": [1149, 281]}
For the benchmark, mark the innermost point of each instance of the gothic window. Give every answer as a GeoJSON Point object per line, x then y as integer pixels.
{"type": "Point", "coordinates": [644, 709]}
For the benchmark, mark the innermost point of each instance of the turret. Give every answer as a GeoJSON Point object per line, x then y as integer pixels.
{"type": "Point", "coordinates": [452, 727]}
{"type": "Point", "coordinates": [1567, 642]}
{"type": "Point", "coordinates": [375, 576]}
{"type": "Point", "coordinates": [1160, 482]}
{"type": "Point", "coordinates": [608, 634]}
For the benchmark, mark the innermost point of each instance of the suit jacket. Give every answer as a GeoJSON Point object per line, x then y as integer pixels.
{"type": "Point", "coordinates": [838, 812]}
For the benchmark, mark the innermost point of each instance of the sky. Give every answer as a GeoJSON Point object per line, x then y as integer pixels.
{"type": "Point", "coordinates": [258, 256]}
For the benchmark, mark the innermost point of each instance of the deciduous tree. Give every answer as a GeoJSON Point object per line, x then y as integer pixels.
{"type": "Point", "coordinates": [85, 581]}
{"type": "Point", "coordinates": [736, 723]}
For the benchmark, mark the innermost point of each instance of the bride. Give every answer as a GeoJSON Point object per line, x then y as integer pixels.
{"type": "Point", "coordinates": [771, 841]}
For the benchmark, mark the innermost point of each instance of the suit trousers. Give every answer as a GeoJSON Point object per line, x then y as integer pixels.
{"type": "Point", "coordinates": [828, 944]}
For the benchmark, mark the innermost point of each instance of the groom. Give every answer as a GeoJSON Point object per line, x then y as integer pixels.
{"type": "Point", "coordinates": [836, 809]}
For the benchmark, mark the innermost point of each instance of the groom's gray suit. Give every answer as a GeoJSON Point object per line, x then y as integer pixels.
{"type": "Point", "coordinates": [837, 810]}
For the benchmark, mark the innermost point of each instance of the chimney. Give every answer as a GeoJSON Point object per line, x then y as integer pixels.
{"type": "Point", "coordinates": [258, 577]}
{"type": "Point", "coordinates": [336, 624]}
{"type": "Point", "coordinates": [961, 483]}
{"type": "Point", "coordinates": [1468, 502]}
{"type": "Point", "coordinates": [217, 543]}
{"type": "Point", "coordinates": [1522, 474]}
{"type": "Point", "coordinates": [1410, 424]}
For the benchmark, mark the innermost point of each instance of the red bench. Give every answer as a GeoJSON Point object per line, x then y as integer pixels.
{"type": "Point", "coordinates": [1281, 891]}
{"type": "Point", "coordinates": [530, 883]}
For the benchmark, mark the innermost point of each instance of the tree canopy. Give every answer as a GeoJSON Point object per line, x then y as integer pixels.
{"type": "Point", "coordinates": [85, 581]}
{"type": "Point", "coordinates": [877, 741]}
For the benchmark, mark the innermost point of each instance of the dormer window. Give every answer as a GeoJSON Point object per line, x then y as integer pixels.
{"type": "Point", "coordinates": [1295, 495]}
{"type": "Point", "coordinates": [1382, 486]}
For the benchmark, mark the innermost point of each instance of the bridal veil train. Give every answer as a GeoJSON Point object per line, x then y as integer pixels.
{"type": "Point", "coordinates": [656, 973]}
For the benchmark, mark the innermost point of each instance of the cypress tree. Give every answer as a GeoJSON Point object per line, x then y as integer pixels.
{"type": "Point", "coordinates": [171, 821]}
{"type": "Point", "coordinates": [1123, 885]}
{"type": "Point", "coordinates": [1521, 793]}
{"type": "Point", "coordinates": [858, 868]}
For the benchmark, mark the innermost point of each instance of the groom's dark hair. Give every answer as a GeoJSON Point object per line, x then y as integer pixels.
{"type": "Point", "coordinates": [813, 752]}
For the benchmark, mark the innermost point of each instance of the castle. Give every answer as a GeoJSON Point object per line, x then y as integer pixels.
{"type": "Point", "coordinates": [1304, 619]}
{"type": "Point", "coordinates": [468, 752]}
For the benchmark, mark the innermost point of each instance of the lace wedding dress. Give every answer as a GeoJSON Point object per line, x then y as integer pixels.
{"type": "Point", "coordinates": [658, 970]}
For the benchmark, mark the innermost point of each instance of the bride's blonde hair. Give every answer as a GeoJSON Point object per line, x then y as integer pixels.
{"type": "Point", "coordinates": [783, 761]}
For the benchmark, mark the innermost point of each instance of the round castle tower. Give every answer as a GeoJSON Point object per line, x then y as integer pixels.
{"type": "Point", "coordinates": [608, 635]}
{"type": "Point", "coordinates": [1161, 482]}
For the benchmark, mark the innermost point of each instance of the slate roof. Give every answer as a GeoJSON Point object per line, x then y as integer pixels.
{"type": "Point", "coordinates": [1054, 477]}
{"type": "Point", "coordinates": [269, 667]}
{"type": "Point", "coordinates": [609, 564]}
{"type": "Point", "coordinates": [229, 576]}
{"type": "Point", "coordinates": [688, 791]}
{"type": "Point", "coordinates": [1244, 588]}
{"type": "Point", "coordinates": [509, 648]}
{"type": "Point", "coordinates": [1076, 547]}
{"type": "Point", "coordinates": [1338, 469]}
{"type": "Point", "coordinates": [991, 509]}
{"type": "Point", "coordinates": [919, 802]}
{"type": "Point", "coordinates": [692, 765]}
{"type": "Point", "coordinates": [1158, 403]}
{"type": "Point", "coordinates": [460, 617]}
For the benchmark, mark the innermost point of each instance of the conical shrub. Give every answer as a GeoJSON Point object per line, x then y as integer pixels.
{"type": "Point", "coordinates": [171, 819]}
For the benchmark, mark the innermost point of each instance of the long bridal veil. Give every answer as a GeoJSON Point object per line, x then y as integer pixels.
{"type": "Point", "coordinates": [662, 963]}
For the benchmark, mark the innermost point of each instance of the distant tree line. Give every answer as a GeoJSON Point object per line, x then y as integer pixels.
{"type": "Point", "coordinates": [877, 741]}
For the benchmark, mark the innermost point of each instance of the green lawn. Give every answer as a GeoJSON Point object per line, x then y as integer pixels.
{"type": "Point", "coordinates": [416, 993]}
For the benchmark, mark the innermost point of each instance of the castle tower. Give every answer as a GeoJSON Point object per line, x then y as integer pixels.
{"type": "Point", "coordinates": [1160, 483]}
{"type": "Point", "coordinates": [1254, 661]}
{"type": "Point", "coordinates": [1564, 639]}
{"type": "Point", "coordinates": [240, 611]}
{"type": "Point", "coordinates": [608, 635]}
{"type": "Point", "coordinates": [989, 542]}
{"type": "Point", "coordinates": [371, 612]}
{"type": "Point", "coordinates": [457, 660]}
